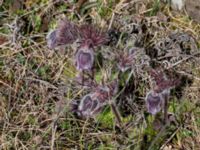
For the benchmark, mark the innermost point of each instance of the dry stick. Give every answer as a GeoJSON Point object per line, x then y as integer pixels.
{"type": "Point", "coordinates": [188, 75]}
{"type": "Point", "coordinates": [42, 82]}
{"type": "Point", "coordinates": [189, 57]}
{"type": "Point", "coordinates": [170, 138]}
{"type": "Point", "coordinates": [83, 131]}
{"type": "Point", "coordinates": [111, 22]}
{"type": "Point", "coordinates": [54, 129]}
{"type": "Point", "coordinates": [7, 85]}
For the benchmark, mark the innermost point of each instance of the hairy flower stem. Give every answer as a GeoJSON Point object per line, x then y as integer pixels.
{"type": "Point", "coordinates": [116, 113]}
{"type": "Point", "coordinates": [118, 118]}
{"type": "Point", "coordinates": [83, 77]}
{"type": "Point", "coordinates": [93, 73]}
{"type": "Point", "coordinates": [165, 110]}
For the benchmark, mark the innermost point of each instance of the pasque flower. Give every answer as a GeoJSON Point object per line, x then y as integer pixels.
{"type": "Point", "coordinates": [157, 98]}
{"type": "Point", "coordinates": [93, 103]}
{"type": "Point", "coordinates": [85, 56]}
{"type": "Point", "coordinates": [155, 101]}
{"type": "Point", "coordinates": [66, 33]}
{"type": "Point", "coordinates": [90, 38]}
{"type": "Point", "coordinates": [88, 106]}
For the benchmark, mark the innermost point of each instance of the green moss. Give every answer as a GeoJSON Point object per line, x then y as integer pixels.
{"type": "Point", "coordinates": [31, 120]}
{"type": "Point", "coordinates": [21, 59]}
{"type": "Point", "coordinates": [69, 70]}
{"type": "Point", "coordinates": [25, 135]}
{"type": "Point", "coordinates": [43, 71]}
{"type": "Point", "coordinates": [106, 147]}
{"type": "Point", "coordinates": [105, 10]}
{"type": "Point", "coordinates": [98, 76]}
{"type": "Point", "coordinates": [106, 118]}
{"type": "Point", "coordinates": [65, 125]}
{"type": "Point", "coordinates": [36, 21]}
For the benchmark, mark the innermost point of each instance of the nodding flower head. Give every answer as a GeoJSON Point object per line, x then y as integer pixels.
{"type": "Point", "coordinates": [66, 33]}
{"type": "Point", "coordinates": [125, 61]}
{"type": "Point", "coordinates": [156, 98]}
{"type": "Point", "coordinates": [96, 37]}
{"type": "Point", "coordinates": [154, 102]}
{"type": "Point", "coordinates": [93, 103]}
{"type": "Point", "coordinates": [89, 106]}
{"type": "Point", "coordinates": [84, 58]}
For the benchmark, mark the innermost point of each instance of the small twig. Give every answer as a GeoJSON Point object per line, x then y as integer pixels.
{"type": "Point", "coordinates": [43, 82]}
{"type": "Point", "coordinates": [111, 22]}
{"type": "Point", "coordinates": [83, 131]}
{"type": "Point", "coordinates": [169, 139]}
{"type": "Point", "coordinates": [7, 85]}
{"type": "Point", "coordinates": [158, 136]}
{"type": "Point", "coordinates": [189, 75]}
{"type": "Point", "coordinates": [54, 129]}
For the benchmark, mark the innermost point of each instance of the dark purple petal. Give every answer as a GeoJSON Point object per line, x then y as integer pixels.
{"type": "Point", "coordinates": [95, 104]}
{"type": "Point", "coordinates": [86, 103]}
{"type": "Point", "coordinates": [51, 39]}
{"type": "Point", "coordinates": [154, 102]}
{"type": "Point", "coordinates": [84, 59]}
{"type": "Point", "coordinates": [96, 107]}
{"type": "Point", "coordinates": [89, 106]}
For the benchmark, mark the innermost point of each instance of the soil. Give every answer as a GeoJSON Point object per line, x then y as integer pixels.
{"type": "Point", "coordinates": [193, 9]}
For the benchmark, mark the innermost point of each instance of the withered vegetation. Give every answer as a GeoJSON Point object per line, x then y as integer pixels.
{"type": "Point", "coordinates": [98, 75]}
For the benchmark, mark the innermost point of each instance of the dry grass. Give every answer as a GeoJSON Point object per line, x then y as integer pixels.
{"type": "Point", "coordinates": [37, 84]}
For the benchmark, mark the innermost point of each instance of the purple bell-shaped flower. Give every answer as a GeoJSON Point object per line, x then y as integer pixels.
{"type": "Point", "coordinates": [89, 106]}
{"type": "Point", "coordinates": [154, 102]}
{"type": "Point", "coordinates": [84, 58]}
